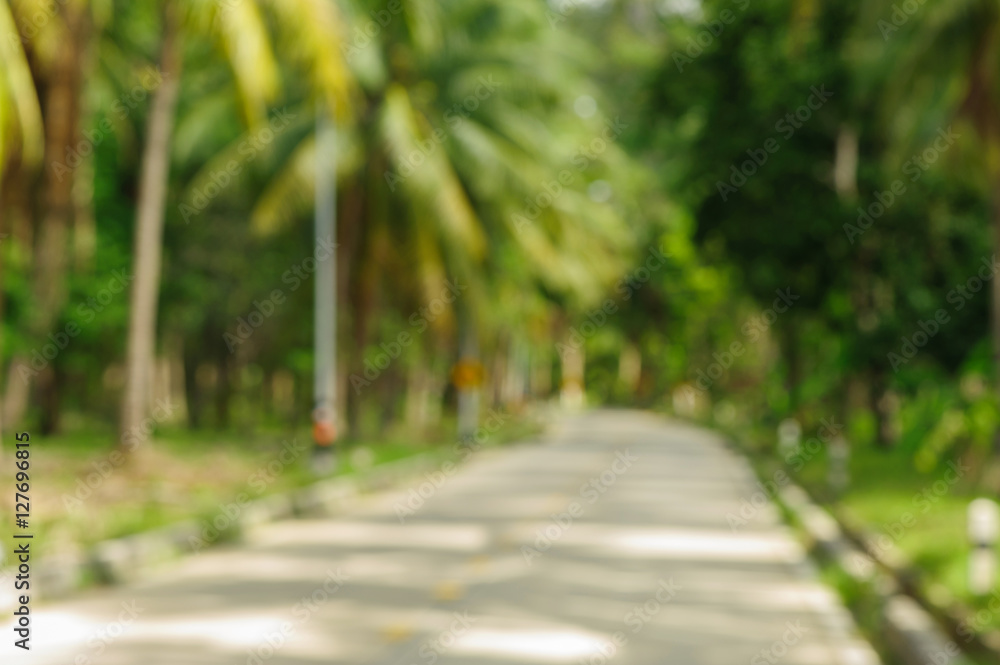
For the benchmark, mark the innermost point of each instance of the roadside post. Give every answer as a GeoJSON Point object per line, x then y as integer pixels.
{"type": "Point", "coordinates": [838, 471]}
{"type": "Point", "coordinates": [325, 324]}
{"type": "Point", "coordinates": [789, 437]}
{"type": "Point", "coordinates": [984, 526]}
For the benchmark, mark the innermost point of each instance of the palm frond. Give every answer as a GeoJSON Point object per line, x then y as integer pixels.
{"type": "Point", "coordinates": [20, 115]}
{"type": "Point", "coordinates": [432, 183]}
{"type": "Point", "coordinates": [312, 35]}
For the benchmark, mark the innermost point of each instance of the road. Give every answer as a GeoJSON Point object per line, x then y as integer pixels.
{"type": "Point", "coordinates": [608, 542]}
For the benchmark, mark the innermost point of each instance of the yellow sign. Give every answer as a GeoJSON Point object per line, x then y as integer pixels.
{"type": "Point", "coordinates": [468, 374]}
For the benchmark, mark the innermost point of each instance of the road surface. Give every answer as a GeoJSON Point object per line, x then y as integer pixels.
{"type": "Point", "coordinates": [610, 542]}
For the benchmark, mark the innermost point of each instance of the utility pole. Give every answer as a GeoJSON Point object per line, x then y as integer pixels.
{"type": "Point", "coordinates": [325, 324]}
{"type": "Point", "coordinates": [467, 376]}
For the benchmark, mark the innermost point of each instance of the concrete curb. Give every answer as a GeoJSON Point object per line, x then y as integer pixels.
{"type": "Point", "coordinates": [950, 612]}
{"type": "Point", "coordinates": [913, 634]}
{"type": "Point", "coordinates": [123, 560]}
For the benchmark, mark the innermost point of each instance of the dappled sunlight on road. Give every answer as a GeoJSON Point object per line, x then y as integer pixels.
{"type": "Point", "coordinates": [607, 542]}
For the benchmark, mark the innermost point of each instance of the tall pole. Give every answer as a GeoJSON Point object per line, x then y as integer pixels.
{"type": "Point", "coordinates": [325, 325]}
{"type": "Point", "coordinates": [468, 379]}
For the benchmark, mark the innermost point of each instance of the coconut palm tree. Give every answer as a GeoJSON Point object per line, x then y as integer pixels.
{"type": "Point", "coordinates": [20, 115]}
{"type": "Point", "coordinates": [240, 31]}
{"type": "Point", "coordinates": [57, 37]}
{"type": "Point", "coordinates": [21, 133]}
{"type": "Point", "coordinates": [453, 167]}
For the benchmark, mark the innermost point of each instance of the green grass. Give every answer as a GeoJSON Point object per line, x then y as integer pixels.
{"type": "Point", "coordinates": [921, 513]}
{"type": "Point", "coordinates": [883, 489]}
{"type": "Point", "coordinates": [180, 475]}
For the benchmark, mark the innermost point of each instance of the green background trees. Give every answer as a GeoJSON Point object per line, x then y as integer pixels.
{"type": "Point", "coordinates": [537, 156]}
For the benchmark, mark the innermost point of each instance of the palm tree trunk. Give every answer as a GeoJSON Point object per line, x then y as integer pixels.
{"type": "Point", "coordinates": [192, 389]}
{"type": "Point", "coordinates": [573, 362]}
{"type": "Point", "coordinates": [14, 201]}
{"type": "Point", "coordinates": [793, 356]}
{"type": "Point", "coordinates": [540, 384]}
{"type": "Point", "coordinates": [630, 369]}
{"type": "Point", "coordinates": [148, 247]}
{"type": "Point", "coordinates": [876, 392]}
{"type": "Point", "coordinates": [223, 388]}
{"type": "Point", "coordinates": [62, 132]}
{"type": "Point", "coordinates": [995, 298]}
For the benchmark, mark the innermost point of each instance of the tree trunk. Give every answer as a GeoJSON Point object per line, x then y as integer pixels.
{"type": "Point", "coordinates": [192, 390]}
{"type": "Point", "coordinates": [61, 94]}
{"type": "Point", "coordinates": [362, 302]}
{"type": "Point", "coordinates": [148, 247]}
{"type": "Point", "coordinates": [223, 388]}
{"type": "Point", "coordinates": [540, 387]}
{"type": "Point", "coordinates": [882, 414]}
{"type": "Point", "coordinates": [362, 296]}
{"type": "Point", "coordinates": [351, 215]}
{"type": "Point", "coordinates": [630, 369]}
{"type": "Point", "coordinates": [84, 224]}
{"type": "Point", "coordinates": [48, 389]}
{"type": "Point", "coordinates": [793, 377]}
{"type": "Point", "coordinates": [516, 376]}
{"type": "Point", "coordinates": [415, 403]}
{"type": "Point", "coordinates": [995, 297]}
{"type": "Point", "coordinates": [573, 364]}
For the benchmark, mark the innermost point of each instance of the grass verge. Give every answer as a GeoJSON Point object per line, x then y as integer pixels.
{"type": "Point", "coordinates": [84, 491]}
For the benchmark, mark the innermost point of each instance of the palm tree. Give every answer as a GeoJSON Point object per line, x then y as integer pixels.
{"type": "Point", "coordinates": [240, 31]}
{"type": "Point", "coordinates": [468, 113]}
{"type": "Point", "coordinates": [58, 46]}
{"type": "Point", "coordinates": [153, 178]}
{"type": "Point", "coordinates": [20, 117]}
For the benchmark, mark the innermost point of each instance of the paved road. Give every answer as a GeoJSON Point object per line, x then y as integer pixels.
{"type": "Point", "coordinates": [607, 543]}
